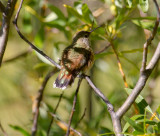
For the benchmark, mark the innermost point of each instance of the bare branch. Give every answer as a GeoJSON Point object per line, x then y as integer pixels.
{"type": "Point", "coordinates": [140, 83]}
{"type": "Point", "coordinates": [27, 41]}
{"type": "Point", "coordinates": [106, 47]}
{"type": "Point", "coordinates": [149, 40]}
{"type": "Point", "coordinates": [115, 119]}
{"type": "Point", "coordinates": [145, 71]}
{"type": "Point", "coordinates": [5, 26]}
{"type": "Point", "coordinates": [38, 101]}
{"type": "Point", "coordinates": [52, 119]}
{"type": "Point", "coordinates": [73, 107]}
{"type": "Point", "coordinates": [81, 118]}
{"type": "Point", "coordinates": [2, 7]}
{"type": "Point", "coordinates": [58, 119]}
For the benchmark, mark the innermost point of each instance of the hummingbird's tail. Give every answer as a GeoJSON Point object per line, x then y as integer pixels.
{"type": "Point", "coordinates": [63, 80]}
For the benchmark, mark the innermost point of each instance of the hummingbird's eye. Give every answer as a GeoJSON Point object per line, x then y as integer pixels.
{"type": "Point", "coordinates": [86, 35]}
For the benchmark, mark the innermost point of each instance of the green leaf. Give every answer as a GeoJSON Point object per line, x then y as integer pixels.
{"type": "Point", "coordinates": [39, 38]}
{"type": "Point", "coordinates": [72, 11]}
{"type": "Point", "coordinates": [158, 109]}
{"type": "Point", "coordinates": [144, 24]}
{"type": "Point", "coordinates": [135, 117]}
{"type": "Point", "coordinates": [87, 14]}
{"type": "Point", "coordinates": [59, 24]}
{"type": "Point", "coordinates": [147, 121]}
{"type": "Point", "coordinates": [144, 5]}
{"type": "Point", "coordinates": [43, 59]}
{"type": "Point", "coordinates": [129, 3]}
{"type": "Point", "coordinates": [133, 124]}
{"type": "Point", "coordinates": [140, 101]}
{"type": "Point", "coordinates": [132, 51]}
{"type": "Point", "coordinates": [27, 27]}
{"type": "Point", "coordinates": [40, 66]}
{"type": "Point", "coordinates": [21, 130]}
{"type": "Point", "coordinates": [57, 11]}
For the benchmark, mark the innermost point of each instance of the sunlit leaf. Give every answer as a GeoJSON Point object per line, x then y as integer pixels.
{"type": "Point", "coordinates": [72, 11]}
{"type": "Point", "coordinates": [129, 3]}
{"type": "Point", "coordinates": [133, 124]}
{"type": "Point", "coordinates": [43, 59]}
{"type": "Point", "coordinates": [135, 117]}
{"type": "Point", "coordinates": [50, 17]}
{"type": "Point", "coordinates": [144, 24]}
{"type": "Point", "coordinates": [87, 14]}
{"type": "Point", "coordinates": [141, 103]}
{"type": "Point", "coordinates": [158, 109]}
{"type": "Point", "coordinates": [147, 121]}
{"type": "Point", "coordinates": [57, 11]}
{"type": "Point", "coordinates": [144, 5]}
{"type": "Point", "coordinates": [21, 130]}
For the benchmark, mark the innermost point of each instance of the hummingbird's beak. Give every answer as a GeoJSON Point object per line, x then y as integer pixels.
{"type": "Point", "coordinates": [95, 28]}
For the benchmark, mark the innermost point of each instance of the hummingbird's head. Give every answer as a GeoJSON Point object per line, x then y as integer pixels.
{"type": "Point", "coordinates": [81, 38]}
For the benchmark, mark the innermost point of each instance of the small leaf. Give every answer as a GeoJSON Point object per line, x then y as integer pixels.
{"type": "Point", "coordinates": [144, 5]}
{"type": "Point", "coordinates": [144, 24]}
{"type": "Point", "coordinates": [87, 14]}
{"type": "Point", "coordinates": [43, 59]}
{"type": "Point", "coordinates": [147, 121]}
{"type": "Point", "coordinates": [21, 130]}
{"type": "Point", "coordinates": [127, 125]}
{"type": "Point", "coordinates": [72, 11]}
{"type": "Point", "coordinates": [140, 101]}
{"type": "Point", "coordinates": [129, 3]}
{"type": "Point", "coordinates": [133, 124]}
{"type": "Point", "coordinates": [158, 109]}
{"type": "Point", "coordinates": [105, 132]}
{"type": "Point", "coordinates": [57, 11]}
{"type": "Point", "coordinates": [40, 66]}
{"type": "Point", "coordinates": [39, 38]}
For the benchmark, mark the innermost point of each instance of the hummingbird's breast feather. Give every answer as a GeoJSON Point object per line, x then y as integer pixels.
{"type": "Point", "coordinates": [76, 59]}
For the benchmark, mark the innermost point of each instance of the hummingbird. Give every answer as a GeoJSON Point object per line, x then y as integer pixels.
{"type": "Point", "coordinates": [76, 58]}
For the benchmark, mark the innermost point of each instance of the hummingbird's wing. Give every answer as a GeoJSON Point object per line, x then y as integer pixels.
{"type": "Point", "coordinates": [75, 59]}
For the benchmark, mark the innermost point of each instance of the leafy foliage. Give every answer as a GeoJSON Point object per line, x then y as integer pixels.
{"type": "Point", "coordinates": [52, 30]}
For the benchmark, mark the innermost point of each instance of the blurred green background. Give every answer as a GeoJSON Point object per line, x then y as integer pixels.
{"type": "Point", "coordinates": [50, 25]}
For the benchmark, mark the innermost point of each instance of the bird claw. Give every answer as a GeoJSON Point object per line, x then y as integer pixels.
{"type": "Point", "coordinates": [82, 75]}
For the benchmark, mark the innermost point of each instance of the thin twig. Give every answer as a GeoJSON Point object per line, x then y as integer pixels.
{"type": "Point", "coordinates": [38, 101]}
{"type": "Point", "coordinates": [23, 54]}
{"type": "Point", "coordinates": [84, 113]}
{"type": "Point", "coordinates": [3, 131]}
{"type": "Point", "coordinates": [2, 7]}
{"type": "Point", "coordinates": [26, 40]}
{"type": "Point", "coordinates": [4, 32]}
{"type": "Point", "coordinates": [122, 73]}
{"type": "Point", "coordinates": [150, 39]}
{"type": "Point", "coordinates": [119, 65]}
{"type": "Point", "coordinates": [52, 119]}
{"type": "Point", "coordinates": [102, 50]}
{"type": "Point", "coordinates": [64, 123]}
{"type": "Point", "coordinates": [145, 72]}
{"type": "Point", "coordinates": [73, 107]}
